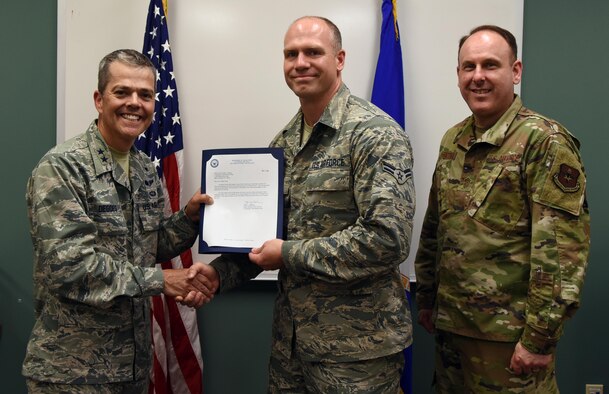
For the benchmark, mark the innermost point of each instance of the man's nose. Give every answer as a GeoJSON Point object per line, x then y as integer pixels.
{"type": "Point", "coordinates": [479, 74]}
{"type": "Point", "coordinates": [302, 61]}
{"type": "Point", "coordinates": [134, 99]}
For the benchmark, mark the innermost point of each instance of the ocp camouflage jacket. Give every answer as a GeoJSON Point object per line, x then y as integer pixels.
{"type": "Point", "coordinates": [505, 240]}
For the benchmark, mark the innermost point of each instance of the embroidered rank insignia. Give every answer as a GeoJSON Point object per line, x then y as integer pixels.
{"type": "Point", "coordinates": [567, 179]}
{"type": "Point", "coordinates": [400, 175]}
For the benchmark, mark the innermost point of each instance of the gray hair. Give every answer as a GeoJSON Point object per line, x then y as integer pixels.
{"type": "Point", "coordinates": [129, 57]}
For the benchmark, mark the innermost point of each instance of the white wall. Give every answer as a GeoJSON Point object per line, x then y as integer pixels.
{"type": "Point", "coordinates": [227, 56]}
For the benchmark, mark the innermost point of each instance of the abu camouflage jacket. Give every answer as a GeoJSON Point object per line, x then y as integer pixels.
{"type": "Point", "coordinates": [349, 204]}
{"type": "Point", "coordinates": [505, 240]}
{"type": "Point", "coordinates": [97, 235]}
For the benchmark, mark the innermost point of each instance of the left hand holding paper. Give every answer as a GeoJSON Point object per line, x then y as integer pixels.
{"type": "Point", "coordinates": [268, 256]}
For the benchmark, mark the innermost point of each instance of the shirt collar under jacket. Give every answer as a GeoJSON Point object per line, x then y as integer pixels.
{"type": "Point", "coordinates": [333, 115]}
{"type": "Point", "coordinates": [494, 135]}
{"type": "Point", "coordinates": [102, 157]}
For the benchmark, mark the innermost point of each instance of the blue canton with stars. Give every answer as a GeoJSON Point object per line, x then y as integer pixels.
{"type": "Point", "coordinates": [164, 136]}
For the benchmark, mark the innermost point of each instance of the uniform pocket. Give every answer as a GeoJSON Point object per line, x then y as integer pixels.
{"type": "Point", "coordinates": [497, 201]}
{"type": "Point", "coordinates": [330, 188]}
{"type": "Point", "coordinates": [150, 215]}
{"type": "Point", "coordinates": [540, 298]}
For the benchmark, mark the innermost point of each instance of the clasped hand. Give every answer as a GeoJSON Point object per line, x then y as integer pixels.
{"type": "Point", "coordinates": [525, 362]}
{"type": "Point", "coordinates": [197, 285]}
{"type": "Point", "coordinates": [194, 286]}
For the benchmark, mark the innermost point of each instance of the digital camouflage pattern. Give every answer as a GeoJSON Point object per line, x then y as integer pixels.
{"type": "Point", "coordinates": [135, 387]}
{"type": "Point", "coordinates": [375, 376]}
{"type": "Point", "coordinates": [505, 239]}
{"type": "Point", "coordinates": [97, 235]}
{"type": "Point", "coordinates": [349, 203]}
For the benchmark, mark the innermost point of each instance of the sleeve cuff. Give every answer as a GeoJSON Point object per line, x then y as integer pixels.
{"type": "Point", "coordinates": [188, 220]}
{"type": "Point", "coordinates": [153, 283]}
{"type": "Point", "coordinates": [286, 247]}
{"type": "Point", "coordinates": [535, 342]}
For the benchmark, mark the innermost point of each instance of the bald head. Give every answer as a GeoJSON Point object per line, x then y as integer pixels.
{"type": "Point", "coordinates": [313, 60]}
{"type": "Point", "coordinates": [318, 23]}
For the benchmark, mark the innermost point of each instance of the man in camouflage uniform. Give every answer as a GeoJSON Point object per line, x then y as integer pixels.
{"type": "Point", "coordinates": [341, 318]}
{"type": "Point", "coordinates": [95, 206]}
{"type": "Point", "coordinates": [504, 245]}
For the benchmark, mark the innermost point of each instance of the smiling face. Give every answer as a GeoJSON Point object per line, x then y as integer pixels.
{"type": "Point", "coordinates": [126, 105]}
{"type": "Point", "coordinates": [312, 62]}
{"type": "Point", "coordinates": [487, 72]}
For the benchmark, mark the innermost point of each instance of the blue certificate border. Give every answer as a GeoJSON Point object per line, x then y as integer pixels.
{"type": "Point", "coordinates": [207, 154]}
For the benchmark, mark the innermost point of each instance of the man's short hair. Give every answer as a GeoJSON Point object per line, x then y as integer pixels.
{"type": "Point", "coordinates": [507, 36]}
{"type": "Point", "coordinates": [129, 57]}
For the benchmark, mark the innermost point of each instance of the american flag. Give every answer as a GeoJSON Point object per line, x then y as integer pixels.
{"type": "Point", "coordinates": [178, 366]}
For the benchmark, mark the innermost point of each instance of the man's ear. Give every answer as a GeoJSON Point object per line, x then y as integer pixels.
{"type": "Point", "coordinates": [97, 100]}
{"type": "Point", "coordinates": [517, 72]}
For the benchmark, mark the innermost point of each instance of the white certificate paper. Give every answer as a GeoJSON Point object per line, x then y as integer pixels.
{"type": "Point", "coordinates": [247, 187]}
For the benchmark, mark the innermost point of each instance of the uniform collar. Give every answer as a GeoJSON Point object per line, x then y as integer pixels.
{"type": "Point", "coordinates": [494, 135]}
{"type": "Point", "coordinates": [333, 115]}
{"type": "Point", "coordinates": [102, 156]}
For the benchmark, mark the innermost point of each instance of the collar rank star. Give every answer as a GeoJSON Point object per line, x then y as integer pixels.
{"type": "Point", "coordinates": [102, 156]}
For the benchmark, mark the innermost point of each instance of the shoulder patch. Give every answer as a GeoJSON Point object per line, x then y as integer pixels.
{"type": "Point", "coordinates": [567, 178]}
{"type": "Point", "coordinates": [565, 184]}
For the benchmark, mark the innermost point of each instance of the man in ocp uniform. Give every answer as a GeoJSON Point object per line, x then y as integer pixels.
{"type": "Point", "coordinates": [505, 240]}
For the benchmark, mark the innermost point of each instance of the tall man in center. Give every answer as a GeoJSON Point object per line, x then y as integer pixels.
{"type": "Point", "coordinates": [341, 318]}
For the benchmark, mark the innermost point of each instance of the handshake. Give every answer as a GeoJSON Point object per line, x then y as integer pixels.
{"type": "Point", "coordinates": [194, 286]}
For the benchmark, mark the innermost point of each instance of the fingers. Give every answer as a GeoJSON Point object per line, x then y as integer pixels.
{"type": "Point", "coordinates": [205, 275]}
{"type": "Point", "coordinates": [255, 254]}
{"type": "Point", "coordinates": [199, 278]}
{"type": "Point", "coordinates": [199, 268]}
{"type": "Point", "coordinates": [515, 365]}
{"type": "Point", "coordinates": [525, 362]}
{"type": "Point", "coordinates": [200, 198]}
{"type": "Point", "coordinates": [194, 299]}
{"type": "Point", "coordinates": [203, 285]}
{"type": "Point", "coordinates": [204, 281]}
{"type": "Point", "coordinates": [193, 206]}
{"type": "Point", "coordinates": [268, 256]}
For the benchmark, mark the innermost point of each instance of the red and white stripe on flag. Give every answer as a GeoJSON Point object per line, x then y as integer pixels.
{"type": "Point", "coordinates": [178, 365]}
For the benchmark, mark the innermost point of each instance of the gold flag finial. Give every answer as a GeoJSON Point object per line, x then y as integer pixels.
{"type": "Point", "coordinates": [395, 18]}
